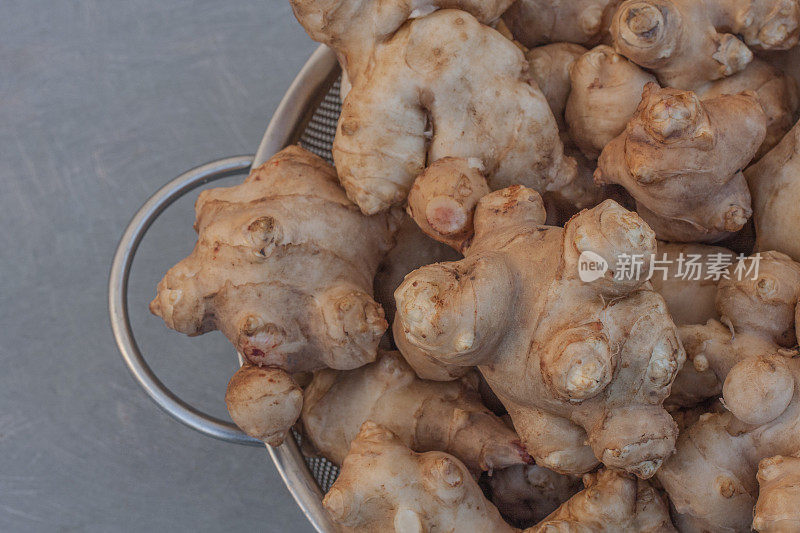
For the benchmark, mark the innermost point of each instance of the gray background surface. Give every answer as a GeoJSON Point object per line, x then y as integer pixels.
{"type": "Point", "coordinates": [101, 103]}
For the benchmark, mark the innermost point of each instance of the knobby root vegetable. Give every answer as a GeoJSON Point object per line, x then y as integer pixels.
{"type": "Point", "coordinates": [687, 282]}
{"type": "Point", "coordinates": [443, 199]}
{"type": "Point", "coordinates": [536, 22]}
{"type": "Point", "coordinates": [757, 316]}
{"type": "Point", "coordinates": [384, 486]}
{"type": "Point", "coordinates": [425, 366]}
{"type": "Point", "coordinates": [681, 159]}
{"type": "Point", "coordinates": [412, 250]}
{"type": "Point", "coordinates": [774, 90]}
{"type": "Point", "coordinates": [264, 401]}
{"type": "Point", "coordinates": [610, 503]}
{"type": "Point", "coordinates": [283, 266]}
{"type": "Point", "coordinates": [711, 479]}
{"type": "Point", "coordinates": [353, 28]}
{"type": "Point", "coordinates": [549, 68]}
{"type": "Point", "coordinates": [574, 362]}
{"type": "Point", "coordinates": [427, 96]}
{"type": "Point", "coordinates": [526, 494]}
{"type": "Point", "coordinates": [779, 481]}
{"type": "Point", "coordinates": [688, 43]}
{"type": "Point", "coordinates": [425, 415]}
{"type": "Point", "coordinates": [775, 187]}
{"type": "Point", "coordinates": [605, 91]}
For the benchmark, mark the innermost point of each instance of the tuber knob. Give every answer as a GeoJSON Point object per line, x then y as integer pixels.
{"type": "Point", "coordinates": [757, 390]}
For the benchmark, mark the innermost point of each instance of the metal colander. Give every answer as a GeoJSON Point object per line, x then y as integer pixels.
{"type": "Point", "coordinates": [307, 115]}
{"type": "Point", "coordinates": [323, 471]}
{"type": "Point", "coordinates": [320, 130]}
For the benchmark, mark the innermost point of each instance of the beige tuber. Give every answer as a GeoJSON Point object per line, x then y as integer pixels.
{"type": "Point", "coordinates": [536, 22]}
{"type": "Point", "coordinates": [582, 367]}
{"type": "Point", "coordinates": [611, 502]}
{"type": "Point", "coordinates": [681, 159]}
{"type": "Point", "coordinates": [775, 185]}
{"type": "Point", "coordinates": [549, 68]}
{"type": "Point", "coordinates": [428, 96]}
{"type": "Point", "coordinates": [687, 278]}
{"type": "Point", "coordinates": [384, 486]}
{"type": "Point", "coordinates": [688, 43]}
{"type": "Point", "coordinates": [443, 199]}
{"type": "Point", "coordinates": [354, 28]}
{"type": "Point", "coordinates": [425, 415]}
{"type": "Point", "coordinates": [605, 91]}
{"type": "Point", "coordinates": [264, 401]}
{"type": "Point", "coordinates": [774, 90]}
{"type": "Point", "coordinates": [777, 509]}
{"type": "Point", "coordinates": [757, 316]}
{"type": "Point", "coordinates": [711, 479]}
{"type": "Point", "coordinates": [283, 267]}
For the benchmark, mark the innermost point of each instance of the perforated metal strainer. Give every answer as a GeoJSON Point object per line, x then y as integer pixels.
{"type": "Point", "coordinates": [306, 115]}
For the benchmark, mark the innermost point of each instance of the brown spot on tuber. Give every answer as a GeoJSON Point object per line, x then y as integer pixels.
{"type": "Point", "coordinates": [349, 127]}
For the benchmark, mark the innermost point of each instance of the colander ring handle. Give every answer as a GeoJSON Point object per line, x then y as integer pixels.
{"type": "Point", "coordinates": [285, 128]}
{"type": "Point", "coordinates": [118, 299]}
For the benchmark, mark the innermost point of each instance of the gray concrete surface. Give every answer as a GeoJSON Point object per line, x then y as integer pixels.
{"type": "Point", "coordinates": [102, 102]}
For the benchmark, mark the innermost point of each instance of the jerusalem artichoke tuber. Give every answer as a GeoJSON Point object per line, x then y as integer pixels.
{"type": "Point", "coordinates": [775, 187]}
{"type": "Point", "coordinates": [264, 401]}
{"type": "Point", "coordinates": [757, 315]}
{"type": "Point", "coordinates": [688, 43]}
{"type": "Point", "coordinates": [425, 366]}
{"type": "Point", "coordinates": [610, 503]}
{"type": "Point", "coordinates": [427, 95]}
{"type": "Point", "coordinates": [777, 509]}
{"type": "Point", "coordinates": [711, 479]}
{"type": "Point", "coordinates": [681, 159]}
{"type": "Point", "coordinates": [353, 28]}
{"type": "Point", "coordinates": [572, 361]}
{"type": "Point", "coordinates": [687, 283]}
{"type": "Point", "coordinates": [774, 90]}
{"type": "Point", "coordinates": [425, 415]}
{"type": "Point", "coordinates": [536, 22]}
{"type": "Point", "coordinates": [444, 197]}
{"type": "Point", "coordinates": [283, 266]}
{"type": "Point", "coordinates": [384, 486]}
{"type": "Point", "coordinates": [605, 92]}
{"type": "Point", "coordinates": [549, 68]}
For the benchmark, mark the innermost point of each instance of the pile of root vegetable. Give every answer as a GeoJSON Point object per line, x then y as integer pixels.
{"type": "Point", "coordinates": [485, 150]}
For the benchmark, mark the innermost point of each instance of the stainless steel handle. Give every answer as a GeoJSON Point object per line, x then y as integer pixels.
{"type": "Point", "coordinates": [118, 299]}
{"type": "Point", "coordinates": [285, 128]}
